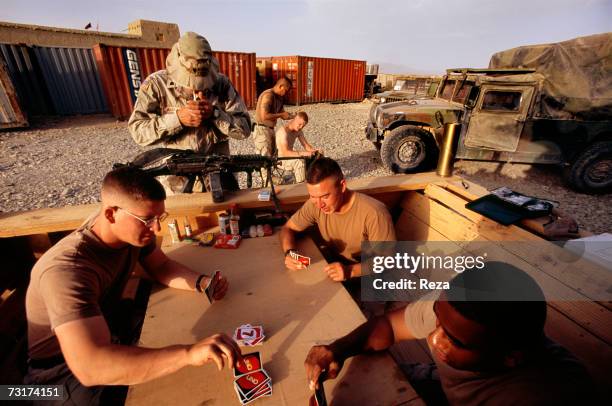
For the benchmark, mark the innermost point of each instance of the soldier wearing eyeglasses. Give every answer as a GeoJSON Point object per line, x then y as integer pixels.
{"type": "Point", "coordinates": [72, 301]}
{"type": "Point", "coordinates": [189, 105]}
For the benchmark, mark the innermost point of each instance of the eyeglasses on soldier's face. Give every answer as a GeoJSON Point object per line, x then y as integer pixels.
{"type": "Point", "coordinates": [147, 221]}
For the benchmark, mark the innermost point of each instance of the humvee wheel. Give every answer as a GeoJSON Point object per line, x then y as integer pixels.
{"type": "Point", "coordinates": [591, 172]}
{"type": "Point", "coordinates": [408, 149]}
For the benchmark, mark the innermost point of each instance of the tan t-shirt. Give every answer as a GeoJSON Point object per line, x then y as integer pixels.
{"type": "Point", "coordinates": [78, 278]}
{"type": "Point", "coordinates": [553, 378]}
{"type": "Point", "coordinates": [367, 220]}
{"type": "Point", "coordinates": [270, 103]}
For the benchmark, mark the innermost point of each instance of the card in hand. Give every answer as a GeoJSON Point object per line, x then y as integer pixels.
{"type": "Point", "coordinates": [212, 285]}
{"type": "Point", "coordinates": [319, 394]}
{"type": "Point", "coordinates": [301, 258]}
{"type": "Point", "coordinates": [249, 363]}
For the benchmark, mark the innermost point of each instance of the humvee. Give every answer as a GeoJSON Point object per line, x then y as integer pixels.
{"type": "Point", "coordinates": [544, 104]}
{"type": "Point", "coordinates": [409, 87]}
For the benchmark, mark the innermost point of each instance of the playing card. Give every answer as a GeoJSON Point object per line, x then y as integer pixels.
{"type": "Point", "coordinates": [266, 390]}
{"type": "Point", "coordinates": [251, 383]}
{"type": "Point", "coordinates": [319, 394]}
{"type": "Point", "coordinates": [212, 285]}
{"type": "Point", "coordinates": [248, 332]}
{"type": "Point", "coordinates": [249, 363]}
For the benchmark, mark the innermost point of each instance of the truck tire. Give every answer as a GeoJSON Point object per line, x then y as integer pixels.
{"type": "Point", "coordinates": [408, 149]}
{"type": "Point", "coordinates": [591, 172]}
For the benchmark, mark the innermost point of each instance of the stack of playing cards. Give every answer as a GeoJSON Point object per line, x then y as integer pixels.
{"type": "Point", "coordinates": [247, 335]}
{"type": "Point", "coordinates": [212, 285]}
{"type": "Point", "coordinates": [301, 258]}
{"type": "Point", "coordinates": [251, 380]}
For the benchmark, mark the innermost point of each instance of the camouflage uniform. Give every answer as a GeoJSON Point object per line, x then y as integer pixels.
{"type": "Point", "coordinates": [155, 121]}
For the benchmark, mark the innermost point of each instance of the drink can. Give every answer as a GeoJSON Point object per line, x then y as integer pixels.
{"type": "Point", "coordinates": [223, 223]}
{"type": "Point", "coordinates": [235, 224]}
{"type": "Point", "coordinates": [174, 231]}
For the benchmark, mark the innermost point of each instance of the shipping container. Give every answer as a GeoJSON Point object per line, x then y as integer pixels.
{"type": "Point", "coordinates": [72, 79]}
{"type": "Point", "coordinates": [123, 69]}
{"type": "Point", "coordinates": [27, 79]}
{"type": "Point", "coordinates": [11, 114]}
{"type": "Point", "coordinates": [318, 80]}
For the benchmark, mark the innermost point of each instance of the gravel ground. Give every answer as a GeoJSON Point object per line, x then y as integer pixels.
{"type": "Point", "coordinates": [61, 161]}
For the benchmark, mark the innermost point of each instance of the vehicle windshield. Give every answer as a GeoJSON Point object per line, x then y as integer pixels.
{"type": "Point", "coordinates": [461, 88]}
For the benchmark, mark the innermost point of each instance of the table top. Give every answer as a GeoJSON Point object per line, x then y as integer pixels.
{"type": "Point", "coordinates": [296, 309]}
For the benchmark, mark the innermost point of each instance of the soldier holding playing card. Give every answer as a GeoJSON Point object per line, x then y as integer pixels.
{"type": "Point", "coordinates": [75, 288]}
{"type": "Point", "coordinates": [487, 340]}
{"type": "Point", "coordinates": [344, 218]}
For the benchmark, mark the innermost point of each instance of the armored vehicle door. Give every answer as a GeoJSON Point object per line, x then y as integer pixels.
{"type": "Point", "coordinates": [497, 120]}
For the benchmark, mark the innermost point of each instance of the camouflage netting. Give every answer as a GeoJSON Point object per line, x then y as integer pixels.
{"type": "Point", "coordinates": [578, 75]}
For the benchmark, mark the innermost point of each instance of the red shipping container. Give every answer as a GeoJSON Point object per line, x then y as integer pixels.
{"type": "Point", "coordinates": [122, 69]}
{"type": "Point", "coordinates": [318, 80]}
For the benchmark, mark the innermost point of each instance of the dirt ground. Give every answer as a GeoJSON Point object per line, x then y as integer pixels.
{"type": "Point", "coordinates": [61, 161]}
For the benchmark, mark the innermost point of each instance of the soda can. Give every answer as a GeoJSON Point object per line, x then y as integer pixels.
{"type": "Point", "coordinates": [235, 224]}
{"type": "Point", "coordinates": [174, 231]}
{"type": "Point", "coordinates": [223, 223]}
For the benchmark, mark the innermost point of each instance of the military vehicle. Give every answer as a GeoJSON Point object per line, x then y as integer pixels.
{"type": "Point", "coordinates": [542, 104]}
{"type": "Point", "coordinates": [409, 87]}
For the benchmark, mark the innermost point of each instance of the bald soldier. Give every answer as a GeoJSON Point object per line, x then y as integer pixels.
{"type": "Point", "coordinates": [75, 288]}
{"type": "Point", "coordinates": [270, 107]}
{"type": "Point", "coordinates": [189, 105]}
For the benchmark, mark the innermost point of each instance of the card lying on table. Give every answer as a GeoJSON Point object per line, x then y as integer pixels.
{"type": "Point", "coordinates": [251, 380]}
{"type": "Point", "coordinates": [247, 335]}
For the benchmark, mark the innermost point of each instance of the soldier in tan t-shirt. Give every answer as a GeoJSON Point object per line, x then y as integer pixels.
{"type": "Point", "coordinates": [490, 350]}
{"type": "Point", "coordinates": [77, 283]}
{"type": "Point", "coordinates": [344, 218]}
{"type": "Point", "coordinates": [268, 110]}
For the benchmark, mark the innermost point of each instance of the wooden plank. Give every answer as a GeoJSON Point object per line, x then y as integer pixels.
{"type": "Point", "coordinates": [296, 309]}
{"type": "Point", "coordinates": [595, 354]}
{"type": "Point", "coordinates": [592, 316]}
{"type": "Point", "coordinates": [580, 273]}
{"type": "Point", "coordinates": [474, 191]}
{"type": "Point", "coordinates": [69, 218]}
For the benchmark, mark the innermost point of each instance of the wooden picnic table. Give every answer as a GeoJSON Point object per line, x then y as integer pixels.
{"type": "Point", "coordinates": [296, 309]}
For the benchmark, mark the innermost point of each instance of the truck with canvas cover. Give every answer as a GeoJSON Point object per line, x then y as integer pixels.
{"type": "Point", "coordinates": [540, 104]}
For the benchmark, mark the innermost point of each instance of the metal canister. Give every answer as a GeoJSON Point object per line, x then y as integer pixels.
{"type": "Point", "coordinates": [447, 152]}
{"type": "Point", "coordinates": [174, 231]}
{"type": "Point", "coordinates": [223, 223]}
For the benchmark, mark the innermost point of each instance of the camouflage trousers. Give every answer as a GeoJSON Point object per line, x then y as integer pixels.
{"type": "Point", "coordinates": [297, 166]}
{"type": "Point", "coordinates": [265, 140]}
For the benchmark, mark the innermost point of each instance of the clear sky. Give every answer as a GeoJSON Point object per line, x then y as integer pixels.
{"type": "Point", "coordinates": [419, 36]}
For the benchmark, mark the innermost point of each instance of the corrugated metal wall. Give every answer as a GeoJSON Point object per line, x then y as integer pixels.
{"type": "Point", "coordinates": [318, 80]}
{"type": "Point", "coordinates": [11, 114]}
{"type": "Point", "coordinates": [73, 80]}
{"type": "Point", "coordinates": [119, 88]}
{"type": "Point", "coordinates": [27, 78]}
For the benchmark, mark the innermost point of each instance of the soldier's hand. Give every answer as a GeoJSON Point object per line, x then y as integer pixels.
{"type": "Point", "coordinates": [190, 115]}
{"type": "Point", "coordinates": [285, 115]}
{"type": "Point", "coordinates": [217, 348]}
{"type": "Point", "coordinates": [321, 358]}
{"type": "Point", "coordinates": [338, 272]}
{"type": "Point", "coordinates": [293, 264]}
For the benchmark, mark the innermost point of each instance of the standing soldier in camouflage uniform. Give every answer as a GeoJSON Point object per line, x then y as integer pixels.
{"type": "Point", "coordinates": [269, 109]}
{"type": "Point", "coordinates": [189, 105]}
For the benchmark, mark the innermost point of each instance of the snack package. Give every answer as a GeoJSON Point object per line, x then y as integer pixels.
{"type": "Point", "coordinates": [227, 241]}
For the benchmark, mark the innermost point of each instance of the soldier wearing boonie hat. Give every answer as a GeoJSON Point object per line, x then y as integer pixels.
{"type": "Point", "coordinates": [189, 105]}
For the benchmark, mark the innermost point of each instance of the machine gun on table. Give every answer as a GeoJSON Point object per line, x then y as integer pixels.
{"type": "Point", "coordinates": [213, 171]}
